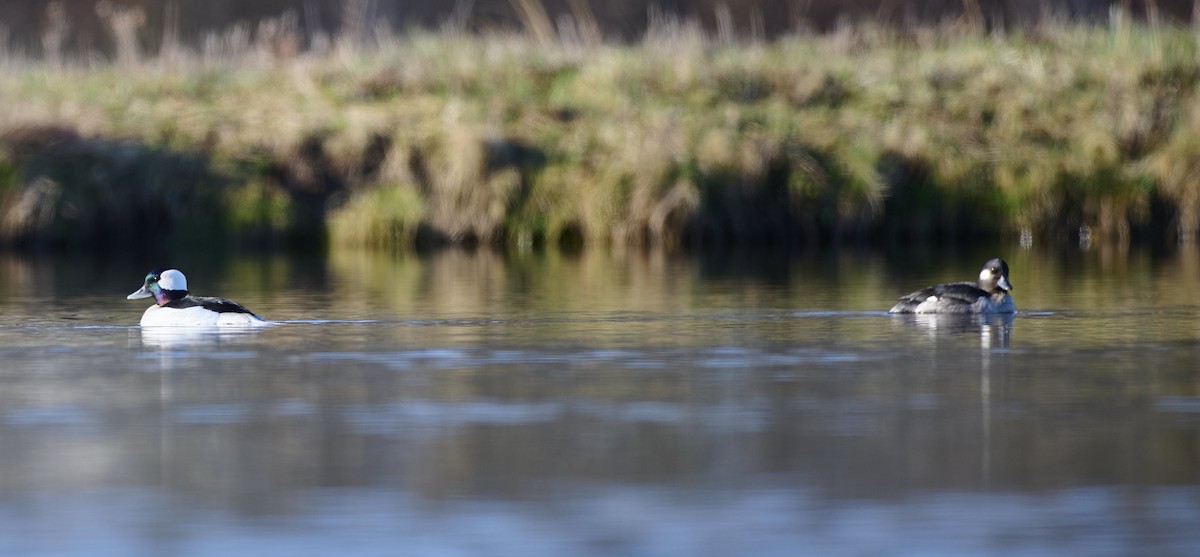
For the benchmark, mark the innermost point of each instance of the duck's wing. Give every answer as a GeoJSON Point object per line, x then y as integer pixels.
{"type": "Point", "coordinates": [219, 305]}
{"type": "Point", "coordinates": [958, 291]}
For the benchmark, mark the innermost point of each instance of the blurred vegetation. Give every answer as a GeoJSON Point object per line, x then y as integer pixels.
{"type": "Point", "coordinates": [556, 136]}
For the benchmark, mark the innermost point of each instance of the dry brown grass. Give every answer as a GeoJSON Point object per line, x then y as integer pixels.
{"type": "Point", "coordinates": [559, 137]}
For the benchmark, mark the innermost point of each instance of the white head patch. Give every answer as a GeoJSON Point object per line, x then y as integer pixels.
{"type": "Point", "coordinates": [172, 279]}
{"type": "Point", "coordinates": [985, 274]}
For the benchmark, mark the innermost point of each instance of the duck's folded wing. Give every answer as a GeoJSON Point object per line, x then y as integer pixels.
{"type": "Point", "coordinates": [957, 291]}
{"type": "Point", "coordinates": [219, 305]}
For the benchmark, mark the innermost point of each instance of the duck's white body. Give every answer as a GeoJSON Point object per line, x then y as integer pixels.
{"type": "Point", "coordinates": [197, 316]}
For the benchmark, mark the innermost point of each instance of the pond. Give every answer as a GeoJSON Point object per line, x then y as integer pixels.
{"type": "Point", "coordinates": [604, 403]}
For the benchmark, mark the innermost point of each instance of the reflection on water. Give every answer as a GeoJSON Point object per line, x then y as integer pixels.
{"type": "Point", "coordinates": [168, 338]}
{"type": "Point", "coordinates": [606, 404]}
{"type": "Point", "coordinates": [994, 331]}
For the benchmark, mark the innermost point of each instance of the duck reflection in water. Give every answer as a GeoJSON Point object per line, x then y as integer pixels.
{"type": "Point", "coordinates": [994, 329]}
{"type": "Point", "coordinates": [174, 338]}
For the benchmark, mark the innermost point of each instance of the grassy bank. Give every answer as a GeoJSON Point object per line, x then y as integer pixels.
{"type": "Point", "coordinates": [682, 139]}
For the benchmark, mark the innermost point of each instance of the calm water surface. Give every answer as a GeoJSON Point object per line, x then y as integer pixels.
{"type": "Point", "coordinates": [604, 404]}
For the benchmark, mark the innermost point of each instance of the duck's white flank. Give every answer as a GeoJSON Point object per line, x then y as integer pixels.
{"type": "Point", "coordinates": [197, 316]}
{"type": "Point", "coordinates": [930, 305]}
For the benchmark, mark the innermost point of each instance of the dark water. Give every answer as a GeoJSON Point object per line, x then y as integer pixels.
{"type": "Point", "coordinates": [604, 404]}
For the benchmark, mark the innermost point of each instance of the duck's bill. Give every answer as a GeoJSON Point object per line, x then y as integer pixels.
{"type": "Point", "coordinates": [1004, 284]}
{"type": "Point", "coordinates": [141, 293]}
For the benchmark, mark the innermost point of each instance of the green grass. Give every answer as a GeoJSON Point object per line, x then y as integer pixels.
{"type": "Point", "coordinates": [868, 133]}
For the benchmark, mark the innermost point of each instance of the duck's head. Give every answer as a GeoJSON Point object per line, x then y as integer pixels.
{"type": "Point", "coordinates": [994, 276]}
{"type": "Point", "coordinates": [164, 284]}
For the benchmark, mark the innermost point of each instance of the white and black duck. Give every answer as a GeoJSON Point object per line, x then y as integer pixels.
{"type": "Point", "coordinates": [176, 307]}
{"type": "Point", "coordinates": [990, 294]}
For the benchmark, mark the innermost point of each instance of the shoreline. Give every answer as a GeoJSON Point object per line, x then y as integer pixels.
{"type": "Point", "coordinates": [421, 139]}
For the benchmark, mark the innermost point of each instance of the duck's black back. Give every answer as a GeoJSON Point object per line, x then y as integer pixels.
{"type": "Point", "coordinates": [219, 305]}
{"type": "Point", "coordinates": [967, 292]}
